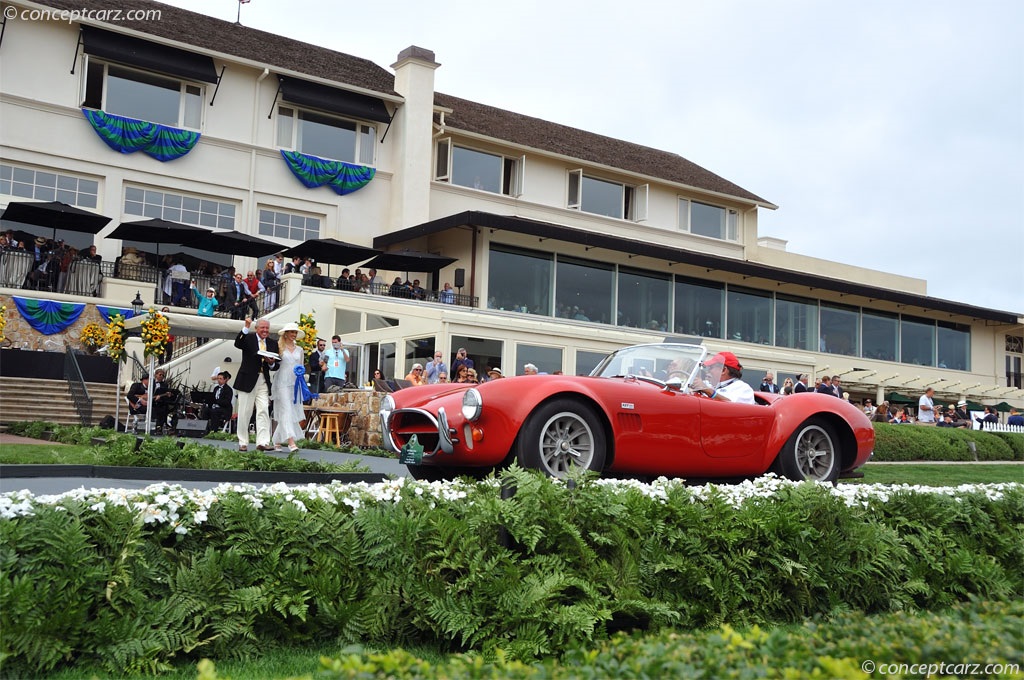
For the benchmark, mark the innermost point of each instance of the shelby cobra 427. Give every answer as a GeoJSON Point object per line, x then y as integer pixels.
{"type": "Point", "coordinates": [637, 415]}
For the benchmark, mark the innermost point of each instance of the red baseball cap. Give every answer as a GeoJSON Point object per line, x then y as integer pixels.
{"type": "Point", "coordinates": [726, 359]}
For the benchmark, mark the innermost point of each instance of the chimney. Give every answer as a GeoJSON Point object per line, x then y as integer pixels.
{"type": "Point", "coordinates": [413, 130]}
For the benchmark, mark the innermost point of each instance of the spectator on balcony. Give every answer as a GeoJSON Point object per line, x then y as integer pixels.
{"type": "Point", "coordinates": [447, 295]}
{"type": "Point", "coordinates": [91, 254]}
{"type": "Point", "coordinates": [240, 299]}
{"type": "Point", "coordinates": [399, 289]}
{"type": "Point", "coordinates": [207, 305]}
{"type": "Point", "coordinates": [270, 283]}
{"type": "Point", "coordinates": [373, 282]}
{"type": "Point", "coordinates": [416, 291]}
{"type": "Point", "coordinates": [345, 280]}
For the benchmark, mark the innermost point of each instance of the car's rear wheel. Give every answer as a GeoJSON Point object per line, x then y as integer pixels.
{"type": "Point", "coordinates": [811, 453]}
{"type": "Point", "coordinates": [562, 435]}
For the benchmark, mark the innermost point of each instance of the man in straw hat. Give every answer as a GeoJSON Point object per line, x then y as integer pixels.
{"type": "Point", "coordinates": [259, 358]}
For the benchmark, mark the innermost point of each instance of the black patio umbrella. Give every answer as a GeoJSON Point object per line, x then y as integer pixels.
{"type": "Point", "coordinates": [55, 215]}
{"type": "Point", "coordinates": [234, 243]}
{"type": "Point", "coordinates": [331, 251]}
{"type": "Point", "coordinates": [409, 261]}
{"type": "Point", "coordinates": [158, 231]}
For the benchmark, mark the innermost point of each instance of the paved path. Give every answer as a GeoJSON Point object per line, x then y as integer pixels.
{"type": "Point", "coordinates": [53, 485]}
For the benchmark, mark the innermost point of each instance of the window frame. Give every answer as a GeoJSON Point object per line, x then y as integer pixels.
{"type": "Point", "coordinates": [513, 169]}
{"type": "Point", "coordinates": [634, 203]}
{"type": "Point", "coordinates": [260, 209]}
{"type": "Point", "coordinates": [296, 118]}
{"type": "Point", "coordinates": [104, 104]}
{"type": "Point", "coordinates": [731, 227]}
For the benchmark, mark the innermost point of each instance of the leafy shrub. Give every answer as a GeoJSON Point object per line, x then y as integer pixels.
{"type": "Point", "coordinates": [900, 443]}
{"type": "Point", "coordinates": [164, 573]}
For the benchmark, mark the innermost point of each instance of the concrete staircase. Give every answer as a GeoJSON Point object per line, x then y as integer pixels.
{"type": "Point", "coordinates": [27, 399]}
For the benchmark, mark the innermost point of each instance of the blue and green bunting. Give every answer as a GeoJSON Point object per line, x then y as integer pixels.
{"type": "Point", "coordinates": [48, 316]}
{"type": "Point", "coordinates": [109, 312]}
{"type": "Point", "coordinates": [128, 135]}
{"type": "Point", "coordinates": [343, 178]}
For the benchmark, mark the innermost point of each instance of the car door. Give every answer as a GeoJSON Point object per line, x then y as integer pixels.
{"type": "Point", "coordinates": [730, 430]}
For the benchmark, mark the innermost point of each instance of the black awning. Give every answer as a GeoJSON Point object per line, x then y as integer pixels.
{"type": "Point", "coordinates": [749, 269]}
{"type": "Point", "coordinates": [148, 55]}
{"type": "Point", "coordinates": [333, 100]}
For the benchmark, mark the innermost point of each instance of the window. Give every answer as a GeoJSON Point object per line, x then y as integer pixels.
{"type": "Point", "coordinates": [375, 322]}
{"type": "Point", "coordinates": [584, 290]}
{"type": "Point", "coordinates": [880, 335]}
{"type": "Point", "coordinates": [45, 185]}
{"type": "Point", "coordinates": [700, 307]}
{"type": "Point", "coordinates": [1014, 358]}
{"type": "Point", "coordinates": [278, 224]}
{"type": "Point", "coordinates": [796, 322]}
{"type": "Point", "coordinates": [419, 350]}
{"type": "Point", "coordinates": [467, 167]}
{"type": "Point", "coordinates": [708, 220]}
{"type": "Point", "coordinates": [954, 345]}
{"type": "Point", "coordinates": [605, 197]}
{"type": "Point", "coordinates": [347, 321]}
{"type": "Point", "coordinates": [485, 354]}
{"type": "Point", "coordinates": [386, 360]}
{"type": "Point", "coordinates": [588, 361]}
{"type": "Point", "coordinates": [203, 212]}
{"type": "Point", "coordinates": [519, 280]}
{"type": "Point", "coordinates": [840, 330]}
{"type": "Point", "coordinates": [546, 359]}
{"type": "Point", "coordinates": [917, 341]}
{"type": "Point", "coordinates": [749, 315]}
{"type": "Point", "coordinates": [143, 95]}
{"type": "Point", "coordinates": [643, 299]}
{"type": "Point", "coordinates": [324, 136]}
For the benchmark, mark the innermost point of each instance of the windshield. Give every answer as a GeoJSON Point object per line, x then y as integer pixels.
{"type": "Point", "coordinates": [662, 362]}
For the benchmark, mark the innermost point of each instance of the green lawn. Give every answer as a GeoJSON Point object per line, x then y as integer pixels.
{"type": "Point", "coordinates": [926, 474]}
{"type": "Point", "coordinates": [47, 454]}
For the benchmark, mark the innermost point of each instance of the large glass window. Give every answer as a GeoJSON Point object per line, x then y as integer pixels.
{"type": "Point", "coordinates": [546, 359]}
{"type": "Point", "coordinates": [386, 360]}
{"type": "Point", "coordinates": [749, 315]}
{"type": "Point", "coordinates": [917, 341]}
{"type": "Point", "coordinates": [588, 361]}
{"type": "Point", "coordinates": [605, 197]}
{"type": "Point", "coordinates": [881, 335]}
{"type": "Point", "coordinates": [484, 352]}
{"type": "Point", "coordinates": [708, 220]}
{"type": "Point", "coordinates": [290, 226]}
{"type": "Point", "coordinates": [954, 341]}
{"type": "Point", "coordinates": [584, 290]}
{"type": "Point", "coordinates": [142, 95]}
{"type": "Point", "coordinates": [840, 330]}
{"type": "Point", "coordinates": [418, 350]}
{"type": "Point", "coordinates": [519, 280]}
{"type": "Point", "coordinates": [796, 322]}
{"type": "Point", "coordinates": [203, 212]}
{"type": "Point", "coordinates": [47, 185]}
{"type": "Point", "coordinates": [643, 299]}
{"type": "Point", "coordinates": [325, 136]}
{"type": "Point", "coordinates": [700, 306]}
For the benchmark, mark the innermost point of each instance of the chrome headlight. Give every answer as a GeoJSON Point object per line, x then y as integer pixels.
{"type": "Point", "coordinates": [472, 404]}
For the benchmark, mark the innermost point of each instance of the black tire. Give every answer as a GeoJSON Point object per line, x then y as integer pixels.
{"type": "Point", "coordinates": [561, 435]}
{"type": "Point", "coordinates": [812, 452]}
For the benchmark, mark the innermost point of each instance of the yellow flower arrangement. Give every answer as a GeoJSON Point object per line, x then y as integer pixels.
{"type": "Point", "coordinates": [308, 325]}
{"type": "Point", "coordinates": [116, 336]}
{"type": "Point", "coordinates": [93, 336]}
{"type": "Point", "coordinates": [3, 321]}
{"type": "Point", "coordinates": [155, 330]}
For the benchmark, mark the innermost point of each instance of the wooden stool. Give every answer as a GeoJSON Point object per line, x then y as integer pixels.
{"type": "Point", "coordinates": [330, 427]}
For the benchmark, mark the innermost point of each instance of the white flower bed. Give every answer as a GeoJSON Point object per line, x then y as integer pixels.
{"type": "Point", "coordinates": [182, 508]}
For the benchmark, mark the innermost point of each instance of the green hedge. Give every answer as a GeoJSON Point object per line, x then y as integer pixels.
{"type": "Point", "coordinates": [132, 581]}
{"type": "Point", "coordinates": [842, 647]}
{"type": "Point", "coordinates": [900, 443]}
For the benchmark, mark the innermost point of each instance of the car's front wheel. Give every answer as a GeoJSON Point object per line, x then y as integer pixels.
{"type": "Point", "coordinates": [562, 435]}
{"type": "Point", "coordinates": [811, 453]}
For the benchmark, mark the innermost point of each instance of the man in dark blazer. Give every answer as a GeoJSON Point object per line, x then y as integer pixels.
{"type": "Point", "coordinates": [220, 409]}
{"type": "Point", "coordinates": [253, 382]}
{"type": "Point", "coordinates": [801, 384]}
{"type": "Point", "coordinates": [240, 301]}
{"type": "Point", "coordinates": [316, 378]}
{"type": "Point", "coordinates": [768, 384]}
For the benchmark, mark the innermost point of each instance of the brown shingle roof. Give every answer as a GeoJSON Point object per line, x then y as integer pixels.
{"type": "Point", "coordinates": [226, 37]}
{"type": "Point", "coordinates": [519, 129]}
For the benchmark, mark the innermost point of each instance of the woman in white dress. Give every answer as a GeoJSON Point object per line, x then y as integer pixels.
{"type": "Point", "coordinates": [287, 411]}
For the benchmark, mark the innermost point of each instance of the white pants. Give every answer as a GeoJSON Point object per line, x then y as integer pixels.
{"type": "Point", "coordinates": [260, 399]}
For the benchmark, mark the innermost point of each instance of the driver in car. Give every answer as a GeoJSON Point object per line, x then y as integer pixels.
{"type": "Point", "coordinates": [724, 372]}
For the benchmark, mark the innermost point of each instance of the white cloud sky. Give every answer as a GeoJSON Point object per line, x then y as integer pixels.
{"type": "Point", "coordinates": [890, 134]}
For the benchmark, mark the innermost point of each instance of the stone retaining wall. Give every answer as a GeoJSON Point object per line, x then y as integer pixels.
{"type": "Point", "coordinates": [365, 429]}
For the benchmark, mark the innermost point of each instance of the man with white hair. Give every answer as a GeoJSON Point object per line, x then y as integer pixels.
{"type": "Point", "coordinates": [253, 382]}
{"type": "Point", "coordinates": [529, 369]}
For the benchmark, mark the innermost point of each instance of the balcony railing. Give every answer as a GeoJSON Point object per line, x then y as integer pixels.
{"type": "Point", "coordinates": [389, 290]}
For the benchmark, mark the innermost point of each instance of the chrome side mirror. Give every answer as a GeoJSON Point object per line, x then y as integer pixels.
{"type": "Point", "coordinates": [674, 385]}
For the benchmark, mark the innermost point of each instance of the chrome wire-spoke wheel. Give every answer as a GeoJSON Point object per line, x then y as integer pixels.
{"type": "Point", "coordinates": [566, 441]}
{"type": "Point", "coordinates": [816, 456]}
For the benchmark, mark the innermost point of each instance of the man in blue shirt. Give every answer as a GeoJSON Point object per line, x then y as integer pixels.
{"type": "Point", "coordinates": [334, 364]}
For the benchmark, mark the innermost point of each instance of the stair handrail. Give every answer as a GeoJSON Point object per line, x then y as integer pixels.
{"type": "Point", "coordinates": [76, 385]}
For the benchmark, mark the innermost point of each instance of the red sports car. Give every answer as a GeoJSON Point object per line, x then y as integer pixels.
{"type": "Point", "coordinates": [637, 415]}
